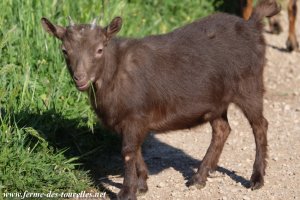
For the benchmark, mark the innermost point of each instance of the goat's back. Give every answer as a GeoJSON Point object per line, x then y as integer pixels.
{"type": "Point", "coordinates": [210, 54]}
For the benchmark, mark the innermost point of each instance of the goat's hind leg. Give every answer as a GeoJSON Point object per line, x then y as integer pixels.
{"type": "Point", "coordinates": [220, 133]}
{"type": "Point", "coordinates": [260, 127]}
{"type": "Point", "coordinates": [253, 110]}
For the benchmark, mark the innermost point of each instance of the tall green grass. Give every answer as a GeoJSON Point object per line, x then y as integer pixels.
{"type": "Point", "coordinates": [45, 124]}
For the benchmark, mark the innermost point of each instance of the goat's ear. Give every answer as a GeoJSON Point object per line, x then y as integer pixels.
{"type": "Point", "coordinates": [55, 30]}
{"type": "Point", "coordinates": [114, 27]}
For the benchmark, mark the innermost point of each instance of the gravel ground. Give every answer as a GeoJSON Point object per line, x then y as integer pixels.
{"type": "Point", "coordinates": [172, 158]}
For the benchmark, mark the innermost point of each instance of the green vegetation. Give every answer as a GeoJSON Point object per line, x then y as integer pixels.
{"type": "Point", "coordinates": [47, 127]}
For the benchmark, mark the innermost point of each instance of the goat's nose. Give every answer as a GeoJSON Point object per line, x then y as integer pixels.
{"type": "Point", "coordinates": [79, 76]}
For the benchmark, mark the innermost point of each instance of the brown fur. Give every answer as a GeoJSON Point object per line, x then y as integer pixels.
{"type": "Point", "coordinates": [173, 81]}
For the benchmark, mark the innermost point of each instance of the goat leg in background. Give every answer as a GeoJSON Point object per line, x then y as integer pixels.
{"type": "Point", "coordinates": [246, 7]}
{"type": "Point", "coordinates": [292, 43]}
{"type": "Point", "coordinates": [274, 24]}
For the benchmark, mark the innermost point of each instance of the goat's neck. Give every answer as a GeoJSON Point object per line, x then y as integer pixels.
{"type": "Point", "coordinates": [109, 66]}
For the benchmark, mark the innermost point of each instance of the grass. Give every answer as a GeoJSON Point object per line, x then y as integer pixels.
{"type": "Point", "coordinates": [47, 127]}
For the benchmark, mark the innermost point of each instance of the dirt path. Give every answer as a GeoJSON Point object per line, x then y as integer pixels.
{"type": "Point", "coordinates": [172, 158]}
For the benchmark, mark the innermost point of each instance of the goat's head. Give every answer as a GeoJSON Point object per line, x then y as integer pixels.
{"type": "Point", "coordinates": [83, 47]}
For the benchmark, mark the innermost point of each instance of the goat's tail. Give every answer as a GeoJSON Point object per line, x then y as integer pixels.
{"type": "Point", "coordinates": [265, 8]}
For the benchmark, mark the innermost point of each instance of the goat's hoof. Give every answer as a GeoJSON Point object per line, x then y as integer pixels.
{"type": "Point", "coordinates": [125, 194]}
{"type": "Point", "coordinates": [141, 192]}
{"type": "Point", "coordinates": [276, 28]}
{"type": "Point", "coordinates": [257, 181]}
{"type": "Point", "coordinates": [142, 187]}
{"type": "Point", "coordinates": [292, 44]}
{"type": "Point", "coordinates": [197, 182]}
{"type": "Point", "coordinates": [215, 174]}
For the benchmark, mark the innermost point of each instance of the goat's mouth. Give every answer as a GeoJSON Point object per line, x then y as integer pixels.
{"type": "Point", "coordinates": [83, 85]}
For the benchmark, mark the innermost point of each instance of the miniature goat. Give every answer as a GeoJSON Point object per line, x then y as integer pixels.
{"type": "Point", "coordinates": [172, 81]}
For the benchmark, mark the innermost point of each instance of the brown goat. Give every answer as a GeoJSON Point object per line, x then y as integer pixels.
{"type": "Point", "coordinates": [172, 81]}
{"type": "Point", "coordinates": [275, 27]}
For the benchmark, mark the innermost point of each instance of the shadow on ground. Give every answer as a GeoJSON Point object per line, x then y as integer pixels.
{"type": "Point", "coordinates": [229, 6]}
{"type": "Point", "coordinates": [99, 151]}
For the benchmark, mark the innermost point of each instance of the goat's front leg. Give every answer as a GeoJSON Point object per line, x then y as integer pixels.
{"type": "Point", "coordinates": [131, 149]}
{"type": "Point", "coordinates": [142, 173]}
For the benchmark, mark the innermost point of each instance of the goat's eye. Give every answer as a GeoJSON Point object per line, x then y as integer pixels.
{"type": "Point", "coordinates": [64, 51]}
{"type": "Point", "coordinates": [99, 51]}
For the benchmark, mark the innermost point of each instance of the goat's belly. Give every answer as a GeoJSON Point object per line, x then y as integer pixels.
{"type": "Point", "coordinates": [179, 123]}
{"type": "Point", "coordinates": [176, 121]}
{"type": "Point", "coordinates": [184, 117]}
